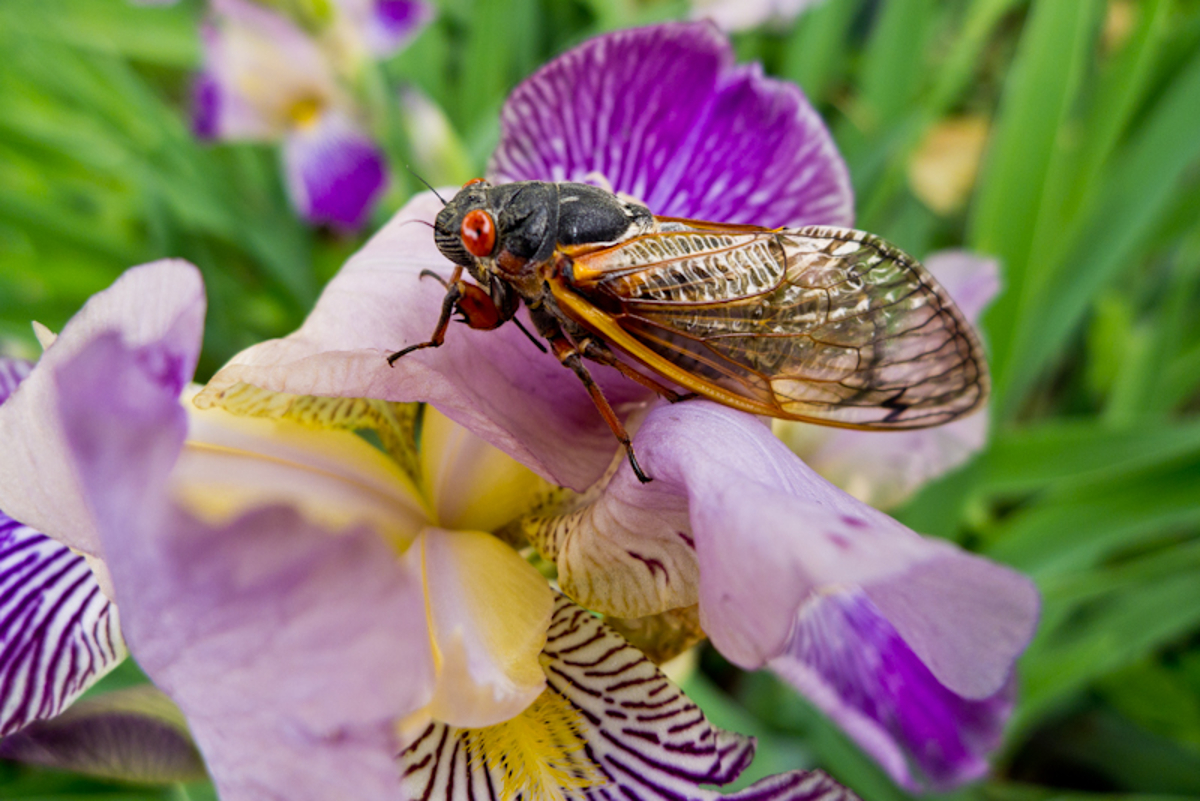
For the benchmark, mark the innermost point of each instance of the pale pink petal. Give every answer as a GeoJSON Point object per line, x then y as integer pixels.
{"type": "Point", "coordinates": [161, 302]}
{"type": "Point", "coordinates": [495, 383]}
{"type": "Point", "coordinates": [386, 26]}
{"type": "Point", "coordinates": [291, 651]}
{"type": "Point", "coordinates": [770, 534]}
{"type": "Point", "coordinates": [741, 15]}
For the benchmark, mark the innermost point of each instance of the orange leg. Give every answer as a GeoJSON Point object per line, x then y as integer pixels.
{"type": "Point", "coordinates": [599, 352]}
{"type": "Point", "coordinates": [453, 293]}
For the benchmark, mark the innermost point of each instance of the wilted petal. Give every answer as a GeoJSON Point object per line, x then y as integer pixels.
{"type": "Point", "coordinates": [334, 171]}
{"type": "Point", "coordinates": [845, 657]}
{"type": "Point", "coordinates": [261, 74]}
{"type": "Point", "coordinates": [609, 726]}
{"type": "Point", "coordinates": [234, 622]}
{"type": "Point", "coordinates": [884, 468]}
{"type": "Point", "coordinates": [487, 610]}
{"type": "Point", "coordinates": [494, 383]}
{"type": "Point", "coordinates": [770, 534]}
{"type": "Point", "coordinates": [134, 735]}
{"type": "Point", "coordinates": [59, 634]}
{"type": "Point", "coordinates": [663, 114]}
{"type": "Point", "coordinates": [160, 302]}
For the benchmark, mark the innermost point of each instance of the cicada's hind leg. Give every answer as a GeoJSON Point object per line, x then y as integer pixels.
{"type": "Point", "coordinates": [569, 355]}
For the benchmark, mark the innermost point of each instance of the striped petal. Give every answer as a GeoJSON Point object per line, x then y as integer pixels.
{"type": "Point", "coordinates": [58, 632]}
{"type": "Point", "coordinates": [609, 726]}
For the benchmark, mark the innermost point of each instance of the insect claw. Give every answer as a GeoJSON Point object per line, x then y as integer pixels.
{"type": "Point", "coordinates": [637, 468]}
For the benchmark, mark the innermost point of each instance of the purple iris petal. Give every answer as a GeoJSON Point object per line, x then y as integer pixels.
{"type": "Point", "coordinates": [334, 171]}
{"type": "Point", "coordinates": [850, 661]}
{"type": "Point", "coordinates": [393, 22]}
{"type": "Point", "coordinates": [664, 115]}
{"type": "Point", "coordinates": [12, 373]}
{"type": "Point", "coordinates": [289, 649]}
{"type": "Point", "coordinates": [58, 632]}
{"type": "Point", "coordinates": [206, 106]}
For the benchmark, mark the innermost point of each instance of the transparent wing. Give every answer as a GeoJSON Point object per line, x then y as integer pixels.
{"type": "Point", "coordinates": [828, 325]}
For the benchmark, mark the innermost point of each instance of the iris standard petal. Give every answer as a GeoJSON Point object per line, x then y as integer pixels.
{"type": "Point", "coordinates": [494, 383]}
{"type": "Point", "coordinates": [159, 302]}
{"type": "Point", "coordinates": [59, 634]}
{"type": "Point", "coordinates": [334, 170]}
{"type": "Point", "coordinates": [12, 373]}
{"type": "Point", "coordinates": [663, 114]}
{"type": "Point", "coordinates": [850, 661]}
{"type": "Point", "coordinates": [235, 621]}
{"type": "Point", "coordinates": [488, 610]}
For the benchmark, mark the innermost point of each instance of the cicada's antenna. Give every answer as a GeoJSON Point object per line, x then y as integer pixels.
{"type": "Point", "coordinates": [422, 180]}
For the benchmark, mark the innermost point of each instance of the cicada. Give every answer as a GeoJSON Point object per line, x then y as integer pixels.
{"type": "Point", "coordinates": [820, 324]}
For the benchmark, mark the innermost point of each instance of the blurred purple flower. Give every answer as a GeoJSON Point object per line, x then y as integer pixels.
{"type": "Point", "coordinates": [786, 569]}
{"type": "Point", "coordinates": [266, 79]}
{"type": "Point", "coordinates": [885, 468]}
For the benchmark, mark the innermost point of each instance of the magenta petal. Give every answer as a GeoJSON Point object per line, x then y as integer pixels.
{"type": "Point", "coordinates": [58, 632]}
{"type": "Point", "coordinates": [848, 660]}
{"type": "Point", "coordinates": [663, 115]}
{"type": "Point", "coordinates": [334, 172]}
{"type": "Point", "coordinates": [292, 651]}
{"type": "Point", "coordinates": [206, 106]}
{"type": "Point", "coordinates": [770, 534]}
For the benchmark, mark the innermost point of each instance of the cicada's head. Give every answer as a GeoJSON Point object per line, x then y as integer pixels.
{"type": "Point", "coordinates": [465, 230]}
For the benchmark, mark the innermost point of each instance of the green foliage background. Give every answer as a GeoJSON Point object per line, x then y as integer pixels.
{"type": "Point", "coordinates": [1089, 193]}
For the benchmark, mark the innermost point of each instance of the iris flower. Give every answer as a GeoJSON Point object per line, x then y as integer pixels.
{"type": "Point", "coordinates": [907, 642]}
{"type": "Point", "coordinates": [335, 619]}
{"type": "Point", "coordinates": [265, 78]}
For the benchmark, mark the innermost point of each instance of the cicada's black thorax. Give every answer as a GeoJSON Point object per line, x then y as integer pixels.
{"type": "Point", "coordinates": [532, 218]}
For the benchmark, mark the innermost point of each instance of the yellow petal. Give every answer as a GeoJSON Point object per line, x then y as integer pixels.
{"type": "Point", "coordinates": [488, 612]}
{"type": "Point", "coordinates": [942, 170]}
{"type": "Point", "coordinates": [233, 463]}
{"type": "Point", "coordinates": [472, 485]}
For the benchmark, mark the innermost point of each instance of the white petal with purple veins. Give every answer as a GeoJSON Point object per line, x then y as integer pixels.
{"type": "Point", "coordinates": [334, 171]}
{"type": "Point", "coordinates": [663, 115]}
{"type": "Point", "coordinates": [58, 632]}
{"type": "Point", "coordinates": [610, 726]}
{"type": "Point", "coordinates": [12, 373]}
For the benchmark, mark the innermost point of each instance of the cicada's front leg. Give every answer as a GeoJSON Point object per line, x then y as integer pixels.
{"type": "Point", "coordinates": [476, 307]}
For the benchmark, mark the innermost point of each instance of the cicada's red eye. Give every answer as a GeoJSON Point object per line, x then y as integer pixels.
{"type": "Point", "coordinates": [478, 233]}
{"type": "Point", "coordinates": [472, 182]}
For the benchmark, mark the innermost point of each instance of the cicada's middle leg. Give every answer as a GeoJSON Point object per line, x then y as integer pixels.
{"type": "Point", "coordinates": [476, 307]}
{"type": "Point", "coordinates": [571, 356]}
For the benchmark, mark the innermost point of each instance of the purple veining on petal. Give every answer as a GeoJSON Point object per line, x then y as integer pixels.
{"type": "Point", "coordinates": [334, 172]}
{"type": "Point", "coordinates": [847, 658]}
{"type": "Point", "coordinates": [12, 372]}
{"type": "Point", "coordinates": [664, 115]}
{"type": "Point", "coordinates": [206, 106]}
{"type": "Point", "coordinates": [58, 633]}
